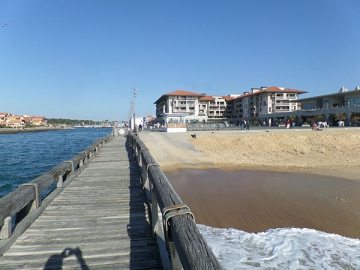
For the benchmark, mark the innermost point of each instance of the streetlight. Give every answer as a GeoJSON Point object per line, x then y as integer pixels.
{"type": "Point", "coordinates": [130, 113]}
{"type": "Point", "coordinates": [134, 92]}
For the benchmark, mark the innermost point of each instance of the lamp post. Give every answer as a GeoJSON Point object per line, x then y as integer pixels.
{"type": "Point", "coordinates": [134, 95]}
{"type": "Point", "coordinates": [130, 113]}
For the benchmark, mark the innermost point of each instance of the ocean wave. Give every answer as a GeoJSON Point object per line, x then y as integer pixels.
{"type": "Point", "coordinates": [283, 248]}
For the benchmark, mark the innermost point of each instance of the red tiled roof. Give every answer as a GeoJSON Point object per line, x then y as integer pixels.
{"type": "Point", "coordinates": [182, 93]}
{"type": "Point", "coordinates": [227, 98]}
{"type": "Point", "coordinates": [179, 93]}
{"type": "Point", "coordinates": [37, 117]}
{"type": "Point", "coordinates": [206, 98]}
{"type": "Point", "coordinates": [274, 89]}
{"type": "Point", "coordinates": [283, 89]}
{"type": "Point", "coordinates": [13, 121]}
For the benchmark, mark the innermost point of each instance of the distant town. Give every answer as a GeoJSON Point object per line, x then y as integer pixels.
{"type": "Point", "coordinates": [9, 120]}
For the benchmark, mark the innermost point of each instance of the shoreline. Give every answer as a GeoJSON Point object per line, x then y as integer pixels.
{"type": "Point", "coordinates": [226, 180]}
{"type": "Point", "coordinates": [26, 130]}
{"type": "Point", "coordinates": [225, 151]}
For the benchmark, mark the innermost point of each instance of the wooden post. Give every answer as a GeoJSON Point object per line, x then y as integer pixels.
{"type": "Point", "coordinates": [72, 165]}
{"type": "Point", "coordinates": [5, 232]}
{"type": "Point", "coordinates": [60, 182]}
{"type": "Point", "coordinates": [36, 203]}
{"type": "Point", "coordinates": [154, 213]}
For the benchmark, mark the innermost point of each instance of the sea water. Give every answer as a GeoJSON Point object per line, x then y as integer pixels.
{"type": "Point", "coordinates": [282, 248]}
{"type": "Point", "coordinates": [26, 156]}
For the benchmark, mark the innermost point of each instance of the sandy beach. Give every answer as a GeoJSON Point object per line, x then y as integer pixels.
{"type": "Point", "coordinates": [262, 179]}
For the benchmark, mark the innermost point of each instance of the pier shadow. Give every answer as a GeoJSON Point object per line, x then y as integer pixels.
{"type": "Point", "coordinates": [144, 251]}
{"type": "Point", "coordinates": [55, 262]}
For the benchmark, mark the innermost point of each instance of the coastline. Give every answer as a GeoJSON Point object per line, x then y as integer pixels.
{"type": "Point", "coordinates": [332, 152]}
{"type": "Point", "coordinates": [226, 188]}
{"type": "Point", "coordinates": [26, 130]}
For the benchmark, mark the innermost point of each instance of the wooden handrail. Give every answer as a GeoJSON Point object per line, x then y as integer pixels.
{"type": "Point", "coordinates": [186, 247]}
{"type": "Point", "coordinates": [19, 199]}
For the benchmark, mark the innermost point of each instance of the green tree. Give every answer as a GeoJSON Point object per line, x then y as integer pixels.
{"type": "Point", "coordinates": [319, 118]}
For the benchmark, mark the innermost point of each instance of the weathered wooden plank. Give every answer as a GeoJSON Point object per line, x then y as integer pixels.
{"type": "Point", "coordinates": [100, 220]}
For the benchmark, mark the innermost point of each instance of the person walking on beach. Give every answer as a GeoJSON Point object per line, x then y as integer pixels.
{"type": "Point", "coordinates": [288, 123]}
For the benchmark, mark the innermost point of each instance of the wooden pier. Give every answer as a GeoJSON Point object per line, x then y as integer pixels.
{"type": "Point", "coordinates": [112, 208]}
{"type": "Point", "coordinates": [99, 221]}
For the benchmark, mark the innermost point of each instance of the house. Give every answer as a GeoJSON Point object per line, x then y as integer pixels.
{"type": "Point", "coordinates": [3, 117]}
{"type": "Point", "coordinates": [38, 121]}
{"type": "Point", "coordinates": [15, 121]}
{"type": "Point", "coordinates": [148, 119]}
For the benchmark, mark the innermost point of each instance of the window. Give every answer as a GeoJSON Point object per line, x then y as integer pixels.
{"type": "Point", "coordinates": [353, 101]}
{"type": "Point", "coordinates": [308, 106]}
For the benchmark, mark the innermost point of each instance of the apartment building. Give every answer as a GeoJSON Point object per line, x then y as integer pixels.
{"type": "Point", "coordinates": [186, 107]}
{"type": "Point", "coordinates": [215, 107]}
{"type": "Point", "coordinates": [264, 105]}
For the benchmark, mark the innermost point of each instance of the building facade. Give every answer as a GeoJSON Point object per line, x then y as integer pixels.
{"type": "Point", "coordinates": [341, 106]}
{"type": "Point", "coordinates": [185, 107]}
{"type": "Point", "coordinates": [10, 120]}
{"type": "Point", "coordinates": [261, 106]}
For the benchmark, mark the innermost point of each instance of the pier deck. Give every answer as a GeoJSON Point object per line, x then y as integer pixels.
{"type": "Point", "coordinates": [99, 221]}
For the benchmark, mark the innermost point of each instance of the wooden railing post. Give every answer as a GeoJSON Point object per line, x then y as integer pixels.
{"type": "Point", "coordinates": [36, 203]}
{"type": "Point", "coordinates": [72, 165]}
{"type": "Point", "coordinates": [60, 182]}
{"type": "Point", "coordinates": [155, 213]}
{"type": "Point", "coordinates": [5, 232]}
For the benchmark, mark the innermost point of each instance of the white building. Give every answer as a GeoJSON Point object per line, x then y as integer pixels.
{"type": "Point", "coordinates": [185, 107]}
{"type": "Point", "coordinates": [182, 106]}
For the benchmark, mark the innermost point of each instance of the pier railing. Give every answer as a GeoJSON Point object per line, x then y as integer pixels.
{"type": "Point", "coordinates": [172, 221]}
{"type": "Point", "coordinates": [21, 207]}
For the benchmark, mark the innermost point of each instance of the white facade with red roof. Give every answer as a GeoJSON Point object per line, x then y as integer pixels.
{"type": "Point", "coordinates": [266, 101]}
{"type": "Point", "coordinates": [184, 106]}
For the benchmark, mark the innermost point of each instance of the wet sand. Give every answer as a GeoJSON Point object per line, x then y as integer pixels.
{"type": "Point", "coordinates": [254, 196]}
{"type": "Point", "coordinates": [255, 201]}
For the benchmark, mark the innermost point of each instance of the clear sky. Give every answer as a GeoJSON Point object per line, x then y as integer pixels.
{"type": "Point", "coordinates": [81, 59]}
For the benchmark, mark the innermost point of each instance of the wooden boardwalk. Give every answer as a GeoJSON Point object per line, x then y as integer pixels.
{"type": "Point", "coordinates": [99, 221]}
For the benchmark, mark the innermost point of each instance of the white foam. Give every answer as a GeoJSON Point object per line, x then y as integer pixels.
{"type": "Point", "coordinates": [286, 248]}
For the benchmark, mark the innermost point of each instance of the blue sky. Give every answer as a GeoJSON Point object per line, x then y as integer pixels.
{"type": "Point", "coordinates": [81, 59]}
